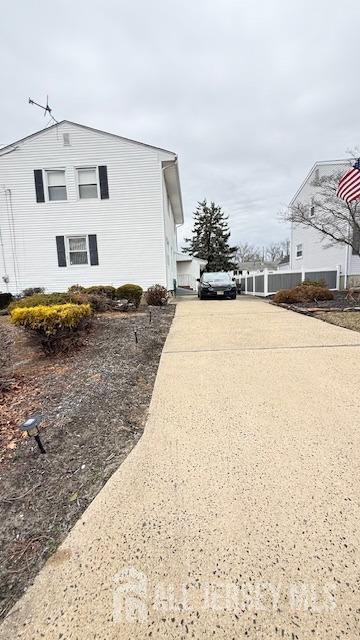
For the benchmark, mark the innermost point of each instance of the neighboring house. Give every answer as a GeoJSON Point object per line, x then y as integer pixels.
{"type": "Point", "coordinates": [308, 248]}
{"type": "Point", "coordinates": [189, 270]}
{"type": "Point", "coordinates": [253, 265]}
{"type": "Point", "coordinates": [284, 263]}
{"type": "Point", "coordinates": [81, 206]}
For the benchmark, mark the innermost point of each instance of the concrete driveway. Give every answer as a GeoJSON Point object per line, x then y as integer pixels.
{"type": "Point", "coordinates": [237, 514]}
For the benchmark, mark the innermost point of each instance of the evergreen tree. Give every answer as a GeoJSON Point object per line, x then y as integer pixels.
{"type": "Point", "coordinates": [210, 238]}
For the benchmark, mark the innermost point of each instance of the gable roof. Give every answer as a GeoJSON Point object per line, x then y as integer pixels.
{"type": "Point", "coordinates": [315, 166]}
{"type": "Point", "coordinates": [83, 126]}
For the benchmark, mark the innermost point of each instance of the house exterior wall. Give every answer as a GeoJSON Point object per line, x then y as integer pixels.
{"type": "Point", "coordinates": [129, 226]}
{"type": "Point", "coordinates": [188, 271]}
{"type": "Point", "coordinates": [170, 238]}
{"type": "Point", "coordinates": [315, 252]}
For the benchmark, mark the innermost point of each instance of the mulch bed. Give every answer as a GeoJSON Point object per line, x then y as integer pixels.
{"type": "Point", "coordinates": [339, 303]}
{"type": "Point", "coordinates": [94, 404]}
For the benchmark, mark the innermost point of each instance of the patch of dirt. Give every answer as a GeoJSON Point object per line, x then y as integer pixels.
{"type": "Point", "coordinates": [94, 404]}
{"type": "Point", "coordinates": [348, 320]}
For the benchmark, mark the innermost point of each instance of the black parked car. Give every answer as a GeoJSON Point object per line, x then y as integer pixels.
{"type": "Point", "coordinates": [215, 284]}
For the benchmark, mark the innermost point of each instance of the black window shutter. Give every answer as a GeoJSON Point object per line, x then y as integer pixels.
{"type": "Point", "coordinates": [39, 185]}
{"type": "Point", "coordinates": [60, 245]}
{"type": "Point", "coordinates": [94, 258]}
{"type": "Point", "coordinates": [103, 179]}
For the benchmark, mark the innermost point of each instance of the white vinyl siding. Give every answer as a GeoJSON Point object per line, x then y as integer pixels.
{"type": "Point", "coordinates": [87, 182]}
{"type": "Point", "coordinates": [56, 184]}
{"type": "Point", "coordinates": [129, 226]}
{"type": "Point", "coordinates": [317, 252]}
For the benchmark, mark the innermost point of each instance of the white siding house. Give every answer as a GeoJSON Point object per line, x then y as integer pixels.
{"type": "Point", "coordinates": [81, 206]}
{"type": "Point", "coordinates": [189, 270]}
{"type": "Point", "coordinates": [308, 248]}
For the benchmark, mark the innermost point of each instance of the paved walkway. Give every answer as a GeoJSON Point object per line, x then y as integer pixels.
{"type": "Point", "coordinates": [237, 514]}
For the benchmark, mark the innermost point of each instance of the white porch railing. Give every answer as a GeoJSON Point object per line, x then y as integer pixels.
{"type": "Point", "coordinates": [185, 280]}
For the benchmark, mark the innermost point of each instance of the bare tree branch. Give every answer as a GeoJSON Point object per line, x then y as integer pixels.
{"type": "Point", "coordinates": [337, 221]}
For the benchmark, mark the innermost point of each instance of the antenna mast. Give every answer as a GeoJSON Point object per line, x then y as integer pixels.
{"type": "Point", "coordinates": [45, 109]}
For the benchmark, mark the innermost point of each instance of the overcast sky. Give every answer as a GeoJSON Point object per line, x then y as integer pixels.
{"type": "Point", "coordinates": [249, 94]}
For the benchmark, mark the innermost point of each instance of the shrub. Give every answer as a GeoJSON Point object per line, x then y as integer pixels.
{"type": "Point", "coordinates": [57, 327]}
{"type": "Point", "coordinates": [157, 295]}
{"type": "Point", "coordinates": [130, 292]}
{"type": "Point", "coordinates": [76, 288]}
{"type": "Point", "coordinates": [301, 293]}
{"type": "Point", "coordinates": [314, 283]}
{"type": "Point", "coordinates": [288, 296]}
{"type": "Point", "coordinates": [5, 299]}
{"type": "Point", "coordinates": [97, 302]}
{"type": "Point", "coordinates": [41, 299]}
{"type": "Point", "coordinates": [314, 292]}
{"type": "Point", "coordinates": [103, 290]}
{"type": "Point", "coordinates": [31, 291]}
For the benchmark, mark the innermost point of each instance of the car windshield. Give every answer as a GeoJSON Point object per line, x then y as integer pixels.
{"type": "Point", "coordinates": [216, 277]}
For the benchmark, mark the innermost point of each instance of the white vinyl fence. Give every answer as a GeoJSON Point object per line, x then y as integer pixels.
{"type": "Point", "coordinates": [266, 282]}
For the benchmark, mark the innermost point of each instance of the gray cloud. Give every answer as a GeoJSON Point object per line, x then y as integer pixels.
{"type": "Point", "coordinates": [249, 94]}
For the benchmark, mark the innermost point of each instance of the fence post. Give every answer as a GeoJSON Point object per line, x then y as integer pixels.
{"type": "Point", "coordinates": [302, 274]}
{"type": "Point", "coordinates": [245, 283]}
{"type": "Point", "coordinates": [266, 289]}
{"type": "Point", "coordinates": [338, 269]}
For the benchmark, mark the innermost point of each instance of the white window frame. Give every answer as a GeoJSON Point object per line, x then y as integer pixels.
{"type": "Point", "coordinates": [67, 249]}
{"type": "Point", "coordinates": [88, 167]}
{"type": "Point", "coordinates": [46, 182]}
{"type": "Point", "coordinates": [297, 250]}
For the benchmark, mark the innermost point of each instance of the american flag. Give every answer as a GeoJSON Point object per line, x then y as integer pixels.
{"type": "Point", "coordinates": [349, 185]}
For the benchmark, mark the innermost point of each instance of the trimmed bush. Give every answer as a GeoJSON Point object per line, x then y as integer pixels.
{"type": "Point", "coordinates": [130, 292]}
{"type": "Point", "coordinates": [31, 291]}
{"type": "Point", "coordinates": [301, 293]}
{"type": "Point", "coordinates": [5, 299]}
{"type": "Point", "coordinates": [76, 288]}
{"type": "Point", "coordinates": [57, 328]}
{"type": "Point", "coordinates": [157, 295]}
{"type": "Point", "coordinates": [41, 299]}
{"type": "Point", "coordinates": [314, 292]}
{"type": "Point", "coordinates": [97, 302]}
{"type": "Point", "coordinates": [288, 296]}
{"type": "Point", "coordinates": [102, 290]}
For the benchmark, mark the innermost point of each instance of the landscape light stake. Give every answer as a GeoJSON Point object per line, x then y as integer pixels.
{"type": "Point", "coordinates": [150, 316]}
{"type": "Point", "coordinates": [31, 426]}
{"type": "Point", "coordinates": [136, 337]}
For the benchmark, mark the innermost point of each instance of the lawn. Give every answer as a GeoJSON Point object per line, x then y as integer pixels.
{"type": "Point", "coordinates": [94, 404]}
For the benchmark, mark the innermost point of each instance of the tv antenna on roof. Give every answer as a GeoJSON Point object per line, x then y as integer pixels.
{"type": "Point", "coordinates": [45, 109]}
